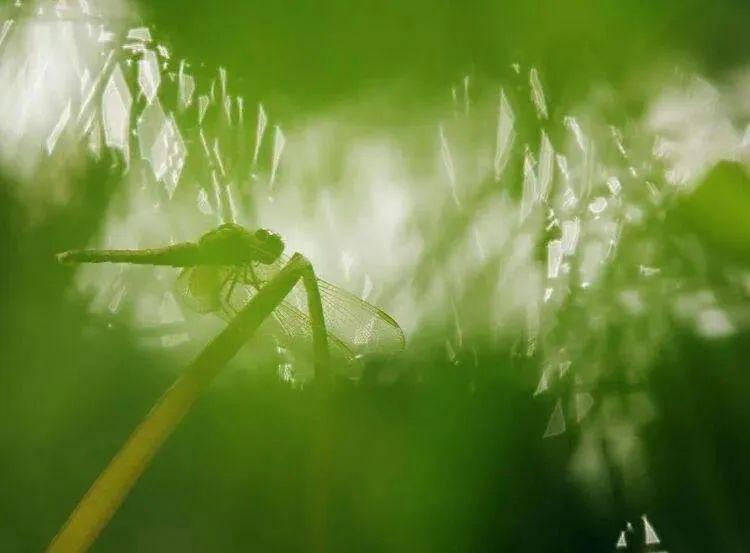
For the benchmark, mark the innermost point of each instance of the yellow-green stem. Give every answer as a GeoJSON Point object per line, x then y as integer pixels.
{"type": "Point", "coordinates": [112, 486]}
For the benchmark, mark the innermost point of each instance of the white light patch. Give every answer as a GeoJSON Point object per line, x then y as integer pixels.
{"type": "Point", "coordinates": [204, 205]}
{"type": "Point", "coordinates": [116, 105]}
{"type": "Point", "coordinates": [228, 109]}
{"type": "Point", "coordinates": [584, 402]}
{"type": "Point", "coordinates": [279, 141]}
{"type": "Point", "coordinates": [591, 263]}
{"type": "Point", "coordinates": [223, 81]}
{"type": "Point", "coordinates": [116, 301]}
{"type": "Point", "coordinates": [543, 384]}
{"type": "Point", "coordinates": [149, 76]}
{"type": "Point", "coordinates": [240, 110]}
{"type": "Point", "coordinates": [260, 130]}
{"type": "Point", "coordinates": [537, 94]}
{"type": "Point", "coordinates": [714, 323]}
{"type": "Point", "coordinates": [562, 166]}
{"type": "Point", "coordinates": [447, 159]}
{"type": "Point", "coordinates": [613, 183]}
{"type": "Point", "coordinates": [40, 71]}
{"type": "Point", "coordinates": [149, 129]}
{"type": "Point", "coordinates": [169, 310]}
{"type": "Point", "coordinates": [571, 230]}
{"type": "Point", "coordinates": [530, 185]}
{"type": "Point", "coordinates": [466, 95]}
{"type": "Point", "coordinates": [556, 423]}
{"type": "Point", "coordinates": [218, 157]}
{"type": "Point", "coordinates": [57, 130]}
{"type": "Point", "coordinates": [554, 258]}
{"type": "Point", "coordinates": [650, 537]}
{"type": "Point", "coordinates": [139, 33]}
{"type": "Point", "coordinates": [168, 155]}
{"type": "Point", "coordinates": [571, 123]}
{"type": "Point", "coordinates": [203, 102]}
{"type": "Point", "coordinates": [631, 301]}
{"type": "Point", "coordinates": [598, 205]}
{"type": "Point", "coordinates": [546, 167]}
{"type": "Point", "coordinates": [105, 37]}
{"type": "Point", "coordinates": [347, 261]}
{"type": "Point", "coordinates": [505, 135]}
{"type": "Point", "coordinates": [4, 30]}
{"type": "Point", "coordinates": [186, 88]}
{"type": "Point", "coordinates": [367, 288]}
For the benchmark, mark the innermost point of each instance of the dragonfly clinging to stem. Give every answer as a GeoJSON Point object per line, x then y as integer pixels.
{"type": "Point", "coordinates": [240, 274]}
{"type": "Point", "coordinates": [228, 265]}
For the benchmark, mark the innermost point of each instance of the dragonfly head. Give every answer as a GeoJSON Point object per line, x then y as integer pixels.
{"type": "Point", "coordinates": [266, 245]}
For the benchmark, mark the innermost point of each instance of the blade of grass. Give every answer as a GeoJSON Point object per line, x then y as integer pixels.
{"type": "Point", "coordinates": [112, 486]}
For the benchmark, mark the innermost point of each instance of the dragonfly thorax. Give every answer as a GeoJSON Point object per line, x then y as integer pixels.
{"type": "Point", "coordinates": [232, 244]}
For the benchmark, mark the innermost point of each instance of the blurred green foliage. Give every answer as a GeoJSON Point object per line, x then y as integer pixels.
{"type": "Point", "coordinates": [718, 210]}
{"type": "Point", "coordinates": [448, 458]}
{"type": "Point", "coordinates": [306, 55]}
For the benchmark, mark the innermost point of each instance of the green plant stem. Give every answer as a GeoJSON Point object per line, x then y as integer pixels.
{"type": "Point", "coordinates": [112, 486]}
{"type": "Point", "coordinates": [317, 320]}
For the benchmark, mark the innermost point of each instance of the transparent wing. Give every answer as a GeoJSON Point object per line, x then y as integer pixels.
{"type": "Point", "coordinates": [289, 322]}
{"type": "Point", "coordinates": [353, 325]}
{"type": "Point", "coordinates": [296, 326]}
{"type": "Point", "coordinates": [361, 326]}
{"type": "Point", "coordinates": [200, 288]}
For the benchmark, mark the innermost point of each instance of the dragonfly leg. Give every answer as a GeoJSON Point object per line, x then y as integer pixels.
{"type": "Point", "coordinates": [230, 274]}
{"type": "Point", "coordinates": [315, 308]}
{"type": "Point", "coordinates": [232, 277]}
{"type": "Point", "coordinates": [250, 277]}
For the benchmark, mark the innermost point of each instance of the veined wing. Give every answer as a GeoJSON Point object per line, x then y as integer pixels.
{"type": "Point", "coordinates": [358, 325]}
{"type": "Point", "coordinates": [296, 325]}
{"type": "Point", "coordinates": [354, 326]}
{"type": "Point", "coordinates": [212, 290]}
{"type": "Point", "coordinates": [200, 288]}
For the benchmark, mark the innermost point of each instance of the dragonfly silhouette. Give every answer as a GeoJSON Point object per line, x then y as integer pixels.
{"type": "Point", "coordinates": [229, 265]}
{"type": "Point", "coordinates": [244, 276]}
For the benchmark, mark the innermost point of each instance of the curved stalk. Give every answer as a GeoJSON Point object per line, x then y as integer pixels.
{"type": "Point", "coordinates": [112, 486]}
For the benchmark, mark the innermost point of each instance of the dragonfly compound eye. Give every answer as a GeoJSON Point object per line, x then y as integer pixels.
{"type": "Point", "coordinates": [270, 244]}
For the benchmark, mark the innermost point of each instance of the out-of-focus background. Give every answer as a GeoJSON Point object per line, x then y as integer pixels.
{"type": "Point", "coordinates": [552, 198]}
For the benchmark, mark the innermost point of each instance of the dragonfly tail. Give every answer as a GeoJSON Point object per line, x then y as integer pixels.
{"type": "Point", "coordinates": [178, 255]}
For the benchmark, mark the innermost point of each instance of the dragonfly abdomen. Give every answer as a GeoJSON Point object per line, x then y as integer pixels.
{"type": "Point", "coordinates": [186, 254]}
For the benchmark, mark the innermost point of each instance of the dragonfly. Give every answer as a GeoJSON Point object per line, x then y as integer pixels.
{"type": "Point", "coordinates": [228, 265]}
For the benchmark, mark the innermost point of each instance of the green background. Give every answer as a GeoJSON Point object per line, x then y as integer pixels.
{"type": "Point", "coordinates": [451, 463]}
